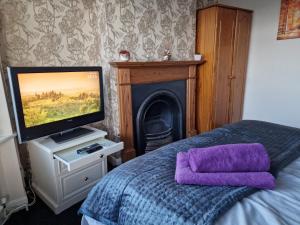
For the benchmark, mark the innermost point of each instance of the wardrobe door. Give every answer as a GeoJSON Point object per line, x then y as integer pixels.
{"type": "Point", "coordinates": [205, 44]}
{"type": "Point", "coordinates": [239, 67]}
{"type": "Point", "coordinates": [224, 52]}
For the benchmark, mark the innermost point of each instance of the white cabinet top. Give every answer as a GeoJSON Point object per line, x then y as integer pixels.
{"type": "Point", "coordinates": [47, 144]}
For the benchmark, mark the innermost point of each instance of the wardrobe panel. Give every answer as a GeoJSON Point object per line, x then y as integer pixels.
{"type": "Point", "coordinates": [224, 51]}
{"type": "Point", "coordinates": [205, 44]}
{"type": "Point", "coordinates": [239, 67]}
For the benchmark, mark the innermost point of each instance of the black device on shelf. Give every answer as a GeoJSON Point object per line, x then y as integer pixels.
{"type": "Point", "coordinates": [90, 149]}
{"type": "Point", "coordinates": [71, 134]}
{"type": "Point", "coordinates": [50, 100]}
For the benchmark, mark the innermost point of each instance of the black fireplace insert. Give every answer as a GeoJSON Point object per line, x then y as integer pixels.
{"type": "Point", "coordinates": [159, 114]}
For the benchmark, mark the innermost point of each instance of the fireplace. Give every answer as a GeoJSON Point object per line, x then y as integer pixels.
{"type": "Point", "coordinates": [156, 103]}
{"type": "Point", "coordinates": [158, 114]}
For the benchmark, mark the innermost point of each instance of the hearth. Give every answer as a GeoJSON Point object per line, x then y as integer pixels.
{"type": "Point", "coordinates": [158, 114]}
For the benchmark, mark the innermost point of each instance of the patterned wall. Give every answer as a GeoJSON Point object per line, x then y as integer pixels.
{"type": "Point", "coordinates": [92, 32]}
{"type": "Point", "coordinates": [146, 28]}
{"type": "Point", "coordinates": [43, 32]}
{"type": "Point", "coordinates": [50, 32]}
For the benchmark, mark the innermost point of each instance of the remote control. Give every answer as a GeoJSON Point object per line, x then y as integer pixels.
{"type": "Point", "coordinates": [89, 149]}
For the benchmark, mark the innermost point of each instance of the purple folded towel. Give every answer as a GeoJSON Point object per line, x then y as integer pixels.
{"type": "Point", "coordinates": [184, 175]}
{"type": "Point", "coordinates": [230, 158]}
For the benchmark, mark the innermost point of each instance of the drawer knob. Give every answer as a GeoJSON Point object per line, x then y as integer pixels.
{"type": "Point", "coordinates": [101, 156]}
{"type": "Point", "coordinates": [86, 179]}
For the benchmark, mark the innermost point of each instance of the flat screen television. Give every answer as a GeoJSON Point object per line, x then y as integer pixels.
{"type": "Point", "coordinates": [55, 100]}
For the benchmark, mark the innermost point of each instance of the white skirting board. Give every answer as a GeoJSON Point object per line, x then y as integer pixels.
{"type": "Point", "coordinates": [17, 202]}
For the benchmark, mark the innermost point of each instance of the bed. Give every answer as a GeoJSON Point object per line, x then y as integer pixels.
{"type": "Point", "coordinates": [143, 190]}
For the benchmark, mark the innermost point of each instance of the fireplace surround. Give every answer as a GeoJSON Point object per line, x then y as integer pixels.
{"type": "Point", "coordinates": [133, 74]}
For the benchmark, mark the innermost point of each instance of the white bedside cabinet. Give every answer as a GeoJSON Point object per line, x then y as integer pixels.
{"type": "Point", "coordinates": [60, 176]}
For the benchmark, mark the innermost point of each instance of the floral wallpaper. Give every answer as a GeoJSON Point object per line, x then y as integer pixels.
{"type": "Point", "coordinates": [51, 32]}
{"type": "Point", "coordinates": [146, 29]}
{"type": "Point", "coordinates": [92, 32]}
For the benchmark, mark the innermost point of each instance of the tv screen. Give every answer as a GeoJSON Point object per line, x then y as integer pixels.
{"type": "Point", "coordinates": [49, 100]}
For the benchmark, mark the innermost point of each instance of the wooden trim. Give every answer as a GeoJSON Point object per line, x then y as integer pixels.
{"type": "Point", "coordinates": [125, 113]}
{"type": "Point", "coordinates": [130, 73]}
{"type": "Point", "coordinates": [158, 74]}
{"type": "Point", "coordinates": [225, 6]}
{"type": "Point", "coordinates": [123, 76]}
{"type": "Point", "coordinates": [191, 102]}
{"type": "Point", "coordinates": [143, 64]}
{"type": "Point", "coordinates": [239, 66]}
{"type": "Point", "coordinates": [206, 38]}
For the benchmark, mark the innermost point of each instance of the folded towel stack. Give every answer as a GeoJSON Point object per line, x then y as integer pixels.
{"type": "Point", "coordinates": [232, 165]}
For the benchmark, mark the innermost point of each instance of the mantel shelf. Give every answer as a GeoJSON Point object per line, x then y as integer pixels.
{"type": "Point", "coordinates": [134, 64]}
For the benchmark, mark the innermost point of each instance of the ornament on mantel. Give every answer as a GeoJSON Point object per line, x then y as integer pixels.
{"type": "Point", "coordinates": [124, 55]}
{"type": "Point", "coordinates": [167, 55]}
{"type": "Point", "coordinates": [148, 57]}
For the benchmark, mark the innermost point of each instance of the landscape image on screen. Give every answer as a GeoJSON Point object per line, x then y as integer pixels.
{"type": "Point", "coordinates": [55, 96]}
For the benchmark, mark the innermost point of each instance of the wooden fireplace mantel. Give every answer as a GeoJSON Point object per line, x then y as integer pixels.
{"type": "Point", "coordinates": [131, 64]}
{"type": "Point", "coordinates": [129, 73]}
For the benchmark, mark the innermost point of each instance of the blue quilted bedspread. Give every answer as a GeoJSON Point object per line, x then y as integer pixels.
{"type": "Point", "coordinates": [143, 190]}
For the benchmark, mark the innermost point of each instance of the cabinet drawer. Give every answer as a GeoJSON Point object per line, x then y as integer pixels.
{"type": "Point", "coordinates": [73, 160]}
{"type": "Point", "coordinates": [76, 182]}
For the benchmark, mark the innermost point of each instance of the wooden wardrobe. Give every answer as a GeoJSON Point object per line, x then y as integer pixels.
{"type": "Point", "coordinates": [223, 34]}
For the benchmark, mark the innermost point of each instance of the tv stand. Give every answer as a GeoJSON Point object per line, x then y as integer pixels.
{"type": "Point", "coordinates": [63, 174]}
{"type": "Point", "coordinates": [70, 135]}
